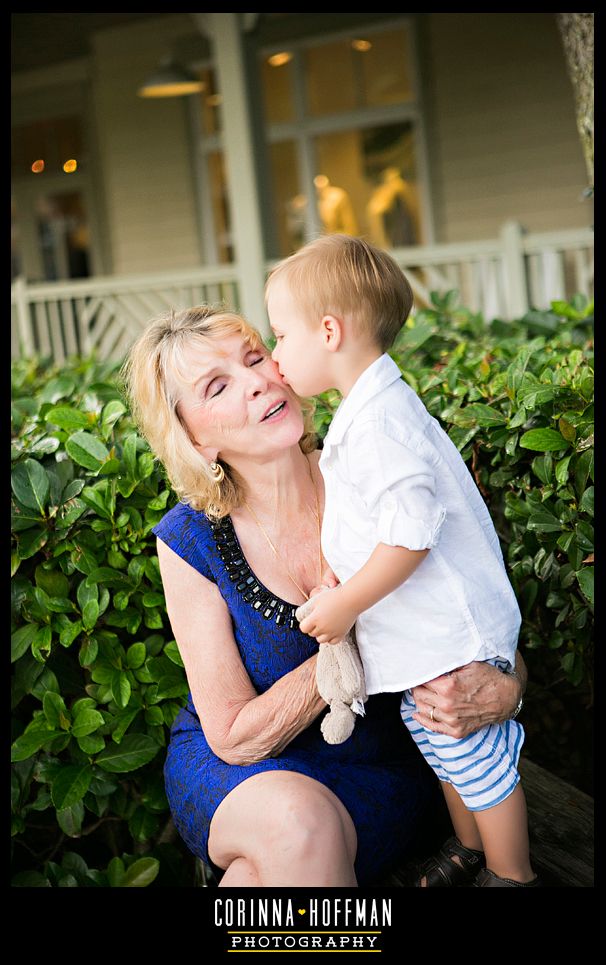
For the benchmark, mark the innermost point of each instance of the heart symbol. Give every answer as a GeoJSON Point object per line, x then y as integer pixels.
{"type": "Point", "coordinates": [301, 911]}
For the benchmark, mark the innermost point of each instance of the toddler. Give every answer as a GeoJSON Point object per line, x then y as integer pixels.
{"type": "Point", "coordinates": [410, 539]}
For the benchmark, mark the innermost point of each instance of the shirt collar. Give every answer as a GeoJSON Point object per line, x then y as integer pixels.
{"type": "Point", "coordinates": [380, 374]}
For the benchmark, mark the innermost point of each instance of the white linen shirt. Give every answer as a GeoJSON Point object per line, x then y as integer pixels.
{"type": "Point", "coordinates": [393, 476]}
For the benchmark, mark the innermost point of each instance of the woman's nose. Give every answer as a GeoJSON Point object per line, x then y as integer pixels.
{"type": "Point", "coordinates": [256, 381]}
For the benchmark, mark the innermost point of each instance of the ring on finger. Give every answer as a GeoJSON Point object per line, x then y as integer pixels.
{"type": "Point", "coordinates": [432, 718]}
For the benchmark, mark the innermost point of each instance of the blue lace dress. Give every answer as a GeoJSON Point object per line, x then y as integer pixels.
{"type": "Point", "coordinates": [377, 773]}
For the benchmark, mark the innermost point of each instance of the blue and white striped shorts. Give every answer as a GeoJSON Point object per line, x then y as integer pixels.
{"type": "Point", "coordinates": [482, 767]}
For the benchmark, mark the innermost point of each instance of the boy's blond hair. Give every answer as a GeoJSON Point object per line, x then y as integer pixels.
{"type": "Point", "coordinates": [153, 376]}
{"type": "Point", "coordinates": [340, 275]}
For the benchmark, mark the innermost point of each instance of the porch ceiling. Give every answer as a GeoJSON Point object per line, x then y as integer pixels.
{"type": "Point", "coordinates": [41, 39]}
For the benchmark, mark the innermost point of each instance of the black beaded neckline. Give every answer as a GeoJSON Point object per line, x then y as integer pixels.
{"type": "Point", "coordinates": [248, 586]}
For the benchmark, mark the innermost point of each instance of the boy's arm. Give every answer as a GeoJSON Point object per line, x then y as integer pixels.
{"type": "Point", "coordinates": [335, 613]}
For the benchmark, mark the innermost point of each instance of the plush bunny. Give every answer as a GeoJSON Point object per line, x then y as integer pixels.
{"type": "Point", "coordinates": [340, 680]}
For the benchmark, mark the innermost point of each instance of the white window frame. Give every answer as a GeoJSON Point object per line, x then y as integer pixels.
{"type": "Point", "coordinates": [304, 128]}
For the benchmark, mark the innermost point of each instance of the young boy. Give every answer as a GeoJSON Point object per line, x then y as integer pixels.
{"type": "Point", "coordinates": [410, 539]}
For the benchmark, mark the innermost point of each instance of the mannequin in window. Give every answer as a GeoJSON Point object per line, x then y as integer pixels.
{"type": "Point", "coordinates": [392, 211]}
{"type": "Point", "coordinates": [335, 208]}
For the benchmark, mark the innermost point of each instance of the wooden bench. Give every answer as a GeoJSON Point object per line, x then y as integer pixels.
{"type": "Point", "coordinates": [560, 821]}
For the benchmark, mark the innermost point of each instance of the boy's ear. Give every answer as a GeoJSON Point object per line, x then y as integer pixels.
{"type": "Point", "coordinates": [331, 329]}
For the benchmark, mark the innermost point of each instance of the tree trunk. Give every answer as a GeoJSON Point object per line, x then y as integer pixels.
{"type": "Point", "coordinates": [577, 36]}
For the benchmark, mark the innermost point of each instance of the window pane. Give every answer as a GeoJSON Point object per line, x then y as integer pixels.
{"type": "Point", "coordinates": [277, 78]}
{"type": "Point", "coordinates": [329, 78]}
{"type": "Point", "coordinates": [385, 68]}
{"type": "Point", "coordinates": [367, 184]}
{"type": "Point", "coordinates": [290, 204]}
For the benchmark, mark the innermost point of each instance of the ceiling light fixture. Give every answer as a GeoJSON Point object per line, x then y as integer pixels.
{"type": "Point", "coordinates": [170, 80]}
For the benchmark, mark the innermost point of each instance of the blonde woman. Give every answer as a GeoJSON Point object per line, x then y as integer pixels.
{"type": "Point", "coordinates": [253, 787]}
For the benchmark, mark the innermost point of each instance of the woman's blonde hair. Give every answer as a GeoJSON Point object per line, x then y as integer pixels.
{"type": "Point", "coordinates": [154, 366]}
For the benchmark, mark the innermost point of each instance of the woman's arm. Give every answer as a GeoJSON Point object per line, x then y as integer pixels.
{"type": "Point", "coordinates": [470, 697]}
{"type": "Point", "coordinates": [240, 725]}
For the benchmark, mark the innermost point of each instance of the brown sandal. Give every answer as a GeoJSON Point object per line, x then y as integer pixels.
{"type": "Point", "coordinates": [440, 871]}
{"type": "Point", "coordinates": [488, 879]}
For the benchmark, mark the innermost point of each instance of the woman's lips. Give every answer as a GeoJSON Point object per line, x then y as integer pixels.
{"type": "Point", "coordinates": [278, 414]}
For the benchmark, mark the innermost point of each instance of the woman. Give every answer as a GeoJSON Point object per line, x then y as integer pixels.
{"type": "Point", "coordinates": [252, 785]}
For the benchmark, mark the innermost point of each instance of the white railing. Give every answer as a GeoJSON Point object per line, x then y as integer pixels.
{"type": "Point", "coordinates": [106, 314]}
{"type": "Point", "coordinates": [504, 277]}
{"type": "Point", "coordinates": [499, 278]}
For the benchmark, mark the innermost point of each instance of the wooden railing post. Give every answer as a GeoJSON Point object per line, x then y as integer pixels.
{"type": "Point", "coordinates": [24, 321]}
{"type": "Point", "coordinates": [516, 287]}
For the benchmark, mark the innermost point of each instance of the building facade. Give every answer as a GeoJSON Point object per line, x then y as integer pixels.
{"type": "Point", "coordinates": [412, 130]}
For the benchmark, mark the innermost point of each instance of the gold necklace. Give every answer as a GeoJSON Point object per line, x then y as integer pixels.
{"type": "Point", "coordinates": [277, 554]}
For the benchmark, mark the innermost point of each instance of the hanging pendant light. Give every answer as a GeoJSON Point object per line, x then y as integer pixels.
{"type": "Point", "coordinates": [171, 80]}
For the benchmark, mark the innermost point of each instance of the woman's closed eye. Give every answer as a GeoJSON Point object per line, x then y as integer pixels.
{"type": "Point", "coordinates": [217, 385]}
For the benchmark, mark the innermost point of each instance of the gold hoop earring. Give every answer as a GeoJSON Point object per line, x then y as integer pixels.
{"type": "Point", "coordinates": [217, 471]}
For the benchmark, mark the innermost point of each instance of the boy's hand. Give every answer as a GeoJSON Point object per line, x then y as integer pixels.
{"type": "Point", "coordinates": [330, 619]}
{"type": "Point", "coordinates": [329, 581]}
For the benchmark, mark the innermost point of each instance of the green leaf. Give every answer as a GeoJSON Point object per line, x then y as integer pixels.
{"type": "Point", "coordinates": [543, 440]}
{"type": "Point", "coordinates": [52, 582]}
{"type": "Point", "coordinates": [67, 418]}
{"type": "Point", "coordinates": [129, 454]}
{"type": "Point", "coordinates": [54, 709]}
{"type": "Point", "coordinates": [87, 450]}
{"type": "Point", "coordinates": [32, 739]}
{"type": "Point", "coordinates": [90, 614]}
{"type": "Point", "coordinates": [87, 722]}
{"type": "Point", "coordinates": [134, 751]}
{"type": "Point", "coordinates": [41, 644]}
{"type": "Point", "coordinates": [172, 652]}
{"type": "Point", "coordinates": [70, 819]}
{"type": "Point", "coordinates": [88, 652]}
{"type": "Point", "coordinates": [104, 574]}
{"type": "Point", "coordinates": [69, 632]}
{"type": "Point", "coordinates": [30, 484]}
{"type": "Point", "coordinates": [30, 879]}
{"type": "Point", "coordinates": [586, 504]}
{"type": "Point", "coordinates": [70, 785]}
{"type": "Point", "coordinates": [545, 522]}
{"type": "Point", "coordinates": [170, 686]}
{"type": "Point", "coordinates": [91, 743]}
{"type": "Point", "coordinates": [24, 518]}
{"type": "Point", "coordinates": [542, 466]}
{"type": "Point", "coordinates": [22, 639]}
{"type": "Point", "coordinates": [115, 872]}
{"type": "Point", "coordinates": [585, 580]}
{"type": "Point", "coordinates": [562, 470]}
{"type": "Point", "coordinates": [135, 656]}
{"type": "Point", "coordinates": [30, 542]}
{"type": "Point", "coordinates": [141, 873]}
{"type": "Point", "coordinates": [59, 388]}
{"type": "Point", "coordinates": [142, 825]}
{"type": "Point", "coordinates": [111, 413]}
{"type": "Point", "coordinates": [95, 499]}
{"type": "Point", "coordinates": [153, 599]}
{"type": "Point", "coordinates": [121, 688]}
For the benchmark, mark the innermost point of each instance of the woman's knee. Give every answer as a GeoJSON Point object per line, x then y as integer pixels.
{"type": "Point", "coordinates": [305, 823]}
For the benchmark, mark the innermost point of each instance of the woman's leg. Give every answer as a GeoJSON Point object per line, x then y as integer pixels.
{"type": "Point", "coordinates": [285, 830]}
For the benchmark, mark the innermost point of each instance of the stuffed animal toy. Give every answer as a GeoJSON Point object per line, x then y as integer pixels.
{"type": "Point", "coordinates": [340, 681]}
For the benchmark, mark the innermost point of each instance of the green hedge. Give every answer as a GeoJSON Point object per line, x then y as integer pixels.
{"type": "Point", "coordinates": [97, 677]}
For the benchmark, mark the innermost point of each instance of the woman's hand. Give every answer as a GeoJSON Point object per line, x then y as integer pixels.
{"type": "Point", "coordinates": [468, 698]}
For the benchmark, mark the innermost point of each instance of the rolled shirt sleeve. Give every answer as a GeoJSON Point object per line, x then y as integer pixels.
{"type": "Point", "coordinates": [397, 487]}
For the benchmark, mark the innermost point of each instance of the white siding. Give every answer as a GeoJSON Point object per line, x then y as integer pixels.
{"type": "Point", "coordinates": [146, 151]}
{"type": "Point", "coordinates": [502, 134]}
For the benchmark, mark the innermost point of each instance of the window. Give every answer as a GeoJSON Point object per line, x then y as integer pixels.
{"type": "Point", "coordinates": [345, 138]}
